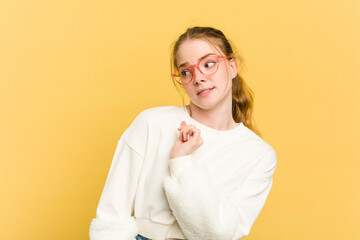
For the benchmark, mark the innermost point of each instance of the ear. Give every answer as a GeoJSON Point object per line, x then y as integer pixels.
{"type": "Point", "coordinates": [233, 67]}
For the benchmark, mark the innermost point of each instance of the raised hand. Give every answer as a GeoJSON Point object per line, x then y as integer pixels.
{"type": "Point", "coordinates": [189, 140]}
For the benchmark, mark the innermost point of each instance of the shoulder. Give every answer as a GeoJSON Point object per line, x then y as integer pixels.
{"type": "Point", "coordinates": [156, 116]}
{"type": "Point", "coordinates": [157, 112]}
{"type": "Point", "coordinates": [152, 118]}
{"type": "Point", "coordinates": [144, 126]}
{"type": "Point", "coordinates": [262, 149]}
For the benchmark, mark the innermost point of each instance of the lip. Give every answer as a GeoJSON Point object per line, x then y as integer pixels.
{"type": "Point", "coordinates": [201, 91]}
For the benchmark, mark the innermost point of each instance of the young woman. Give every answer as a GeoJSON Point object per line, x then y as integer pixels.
{"type": "Point", "coordinates": [195, 172]}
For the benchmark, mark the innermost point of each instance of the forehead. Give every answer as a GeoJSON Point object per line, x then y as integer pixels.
{"type": "Point", "coordinates": [191, 50]}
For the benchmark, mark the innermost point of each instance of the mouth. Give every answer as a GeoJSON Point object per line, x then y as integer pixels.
{"type": "Point", "coordinates": [205, 91]}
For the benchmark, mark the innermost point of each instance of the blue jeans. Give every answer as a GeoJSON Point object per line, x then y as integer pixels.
{"type": "Point", "coordinates": [139, 237]}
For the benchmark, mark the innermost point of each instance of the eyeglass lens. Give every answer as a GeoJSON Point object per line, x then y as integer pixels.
{"type": "Point", "coordinates": [207, 66]}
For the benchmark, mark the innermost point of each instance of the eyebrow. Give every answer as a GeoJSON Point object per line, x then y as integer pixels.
{"type": "Point", "coordinates": [186, 63]}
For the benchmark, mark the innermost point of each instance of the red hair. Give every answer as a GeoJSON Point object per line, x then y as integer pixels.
{"type": "Point", "coordinates": [242, 95]}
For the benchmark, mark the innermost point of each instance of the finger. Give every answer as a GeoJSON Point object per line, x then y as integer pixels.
{"type": "Point", "coordinates": [189, 129]}
{"type": "Point", "coordinates": [194, 132]}
{"type": "Point", "coordinates": [191, 132]}
{"type": "Point", "coordinates": [185, 136]}
{"type": "Point", "coordinates": [182, 136]}
{"type": "Point", "coordinates": [183, 123]}
{"type": "Point", "coordinates": [184, 132]}
{"type": "Point", "coordinates": [188, 134]}
{"type": "Point", "coordinates": [182, 127]}
{"type": "Point", "coordinates": [196, 137]}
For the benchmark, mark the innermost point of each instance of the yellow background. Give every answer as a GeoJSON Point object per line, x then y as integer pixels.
{"type": "Point", "coordinates": [74, 74]}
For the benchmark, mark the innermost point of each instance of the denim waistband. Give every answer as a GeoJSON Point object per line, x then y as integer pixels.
{"type": "Point", "coordinates": [139, 237]}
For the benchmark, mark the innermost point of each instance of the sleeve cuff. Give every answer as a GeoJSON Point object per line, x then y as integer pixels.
{"type": "Point", "coordinates": [121, 228]}
{"type": "Point", "coordinates": [180, 164]}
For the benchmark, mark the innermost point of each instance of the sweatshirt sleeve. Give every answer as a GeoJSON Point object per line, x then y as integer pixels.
{"type": "Point", "coordinates": [114, 212]}
{"type": "Point", "coordinates": [202, 213]}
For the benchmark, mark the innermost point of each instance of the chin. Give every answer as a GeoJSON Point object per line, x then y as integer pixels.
{"type": "Point", "coordinates": [204, 105]}
{"type": "Point", "coordinates": [210, 103]}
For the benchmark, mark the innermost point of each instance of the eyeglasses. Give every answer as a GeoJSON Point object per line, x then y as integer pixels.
{"type": "Point", "coordinates": [207, 65]}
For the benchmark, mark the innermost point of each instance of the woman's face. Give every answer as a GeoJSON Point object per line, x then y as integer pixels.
{"type": "Point", "coordinates": [219, 84]}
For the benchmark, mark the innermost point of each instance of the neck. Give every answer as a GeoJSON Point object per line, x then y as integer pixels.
{"type": "Point", "coordinates": [218, 118]}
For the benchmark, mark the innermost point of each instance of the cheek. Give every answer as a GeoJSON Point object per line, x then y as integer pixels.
{"type": "Point", "coordinates": [187, 90]}
{"type": "Point", "coordinates": [223, 78]}
{"type": "Point", "coordinates": [225, 82]}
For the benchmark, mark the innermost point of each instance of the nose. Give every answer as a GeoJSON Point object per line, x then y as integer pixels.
{"type": "Point", "coordinates": [197, 76]}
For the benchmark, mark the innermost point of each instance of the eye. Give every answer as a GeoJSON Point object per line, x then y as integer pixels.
{"type": "Point", "coordinates": [185, 73]}
{"type": "Point", "coordinates": [209, 64]}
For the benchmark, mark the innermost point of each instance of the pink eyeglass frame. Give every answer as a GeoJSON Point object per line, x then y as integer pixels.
{"type": "Point", "coordinates": [174, 75]}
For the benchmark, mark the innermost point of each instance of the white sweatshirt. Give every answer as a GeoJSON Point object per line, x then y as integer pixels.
{"type": "Point", "coordinates": [215, 193]}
